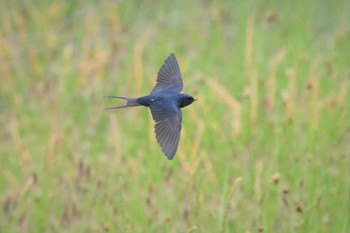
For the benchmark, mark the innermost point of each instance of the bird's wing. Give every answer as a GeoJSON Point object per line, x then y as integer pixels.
{"type": "Point", "coordinates": [168, 119]}
{"type": "Point", "coordinates": [169, 77]}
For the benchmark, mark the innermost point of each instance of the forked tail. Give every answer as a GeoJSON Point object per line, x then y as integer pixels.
{"type": "Point", "coordinates": [131, 102]}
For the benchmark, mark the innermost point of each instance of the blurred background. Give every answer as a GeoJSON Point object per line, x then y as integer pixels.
{"type": "Point", "coordinates": [266, 148]}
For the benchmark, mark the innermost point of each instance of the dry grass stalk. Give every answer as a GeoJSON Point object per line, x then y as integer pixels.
{"type": "Point", "coordinates": [232, 103]}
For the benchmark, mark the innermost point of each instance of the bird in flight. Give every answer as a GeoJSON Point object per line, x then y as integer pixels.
{"type": "Point", "coordinates": [165, 102]}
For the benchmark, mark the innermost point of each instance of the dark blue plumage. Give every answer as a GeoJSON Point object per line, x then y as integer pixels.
{"type": "Point", "coordinates": [165, 101]}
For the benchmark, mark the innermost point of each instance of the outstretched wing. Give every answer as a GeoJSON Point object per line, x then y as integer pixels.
{"type": "Point", "coordinates": [168, 119]}
{"type": "Point", "coordinates": [169, 77]}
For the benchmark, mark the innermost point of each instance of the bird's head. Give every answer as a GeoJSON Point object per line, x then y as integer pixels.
{"type": "Point", "coordinates": [186, 100]}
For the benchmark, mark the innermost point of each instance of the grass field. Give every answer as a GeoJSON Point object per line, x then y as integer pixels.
{"type": "Point", "coordinates": [266, 148]}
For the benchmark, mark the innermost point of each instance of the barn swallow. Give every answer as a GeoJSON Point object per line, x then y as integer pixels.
{"type": "Point", "coordinates": [165, 102]}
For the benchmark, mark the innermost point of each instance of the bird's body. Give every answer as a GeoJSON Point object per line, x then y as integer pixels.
{"type": "Point", "coordinates": [180, 100]}
{"type": "Point", "coordinates": [165, 102]}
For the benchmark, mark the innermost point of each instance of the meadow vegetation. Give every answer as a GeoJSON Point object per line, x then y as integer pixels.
{"type": "Point", "coordinates": [266, 148]}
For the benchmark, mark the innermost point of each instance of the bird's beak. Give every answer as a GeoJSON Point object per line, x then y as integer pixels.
{"type": "Point", "coordinates": [195, 99]}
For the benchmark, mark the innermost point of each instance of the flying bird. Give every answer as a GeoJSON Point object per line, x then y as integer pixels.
{"type": "Point", "coordinates": [165, 102]}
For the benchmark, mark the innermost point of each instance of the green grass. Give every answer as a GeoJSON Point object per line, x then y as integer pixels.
{"type": "Point", "coordinates": [265, 149]}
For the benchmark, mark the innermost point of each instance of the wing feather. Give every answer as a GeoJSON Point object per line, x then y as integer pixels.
{"type": "Point", "coordinates": [169, 77]}
{"type": "Point", "coordinates": [168, 127]}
